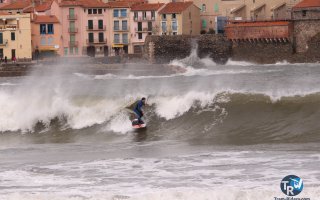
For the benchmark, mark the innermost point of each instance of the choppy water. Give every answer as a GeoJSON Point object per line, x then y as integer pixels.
{"type": "Point", "coordinates": [214, 132]}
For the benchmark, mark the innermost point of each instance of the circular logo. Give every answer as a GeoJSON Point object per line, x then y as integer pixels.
{"type": "Point", "coordinates": [291, 185]}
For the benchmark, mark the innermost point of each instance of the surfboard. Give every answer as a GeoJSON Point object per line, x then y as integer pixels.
{"type": "Point", "coordinates": [136, 125]}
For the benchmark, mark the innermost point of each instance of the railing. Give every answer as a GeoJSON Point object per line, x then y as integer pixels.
{"type": "Point", "coordinates": [118, 41]}
{"type": "Point", "coordinates": [4, 42]}
{"type": "Point", "coordinates": [117, 28]}
{"type": "Point", "coordinates": [143, 30]}
{"type": "Point", "coordinates": [73, 30]}
{"type": "Point", "coordinates": [72, 17]}
{"type": "Point", "coordinates": [96, 28]}
{"type": "Point", "coordinates": [148, 18]}
{"type": "Point", "coordinates": [97, 41]}
{"type": "Point", "coordinates": [73, 43]}
{"type": "Point", "coordinates": [9, 26]}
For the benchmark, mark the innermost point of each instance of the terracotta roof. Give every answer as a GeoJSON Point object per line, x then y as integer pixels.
{"type": "Point", "coordinates": [122, 4]}
{"type": "Point", "coordinates": [265, 23]}
{"type": "Point", "coordinates": [175, 7]}
{"type": "Point", "coordinates": [147, 7]}
{"type": "Point", "coordinates": [17, 5]}
{"type": "Point", "coordinates": [45, 19]}
{"type": "Point", "coordinates": [307, 4]}
{"type": "Point", "coordinates": [39, 8]}
{"type": "Point", "coordinates": [84, 3]}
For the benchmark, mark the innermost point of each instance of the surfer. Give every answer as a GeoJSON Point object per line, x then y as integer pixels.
{"type": "Point", "coordinates": [138, 111]}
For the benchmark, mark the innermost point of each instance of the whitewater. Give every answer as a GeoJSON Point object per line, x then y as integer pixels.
{"type": "Point", "coordinates": [214, 131]}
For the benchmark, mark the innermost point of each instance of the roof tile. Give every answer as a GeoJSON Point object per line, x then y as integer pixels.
{"type": "Point", "coordinates": [307, 4]}
{"type": "Point", "coordinates": [175, 7]}
{"type": "Point", "coordinates": [147, 7]}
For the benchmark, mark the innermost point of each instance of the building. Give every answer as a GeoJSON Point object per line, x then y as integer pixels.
{"type": "Point", "coordinates": [306, 16]}
{"type": "Point", "coordinates": [144, 18]}
{"type": "Point", "coordinates": [120, 36]}
{"type": "Point", "coordinates": [84, 30]}
{"type": "Point", "coordinates": [15, 36]}
{"type": "Point", "coordinates": [179, 18]}
{"type": "Point", "coordinates": [253, 10]}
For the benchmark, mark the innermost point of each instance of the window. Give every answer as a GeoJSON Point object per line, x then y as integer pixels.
{"type": "Point", "coordinates": [43, 29]}
{"type": "Point", "coordinates": [140, 36]}
{"type": "Point", "coordinates": [174, 33]}
{"type": "Point", "coordinates": [13, 36]}
{"type": "Point", "coordinates": [204, 24]}
{"type": "Point", "coordinates": [216, 7]}
{"type": "Point", "coordinates": [66, 51]}
{"type": "Point", "coordinates": [94, 11]}
{"type": "Point", "coordinates": [90, 11]}
{"type": "Point", "coordinates": [90, 37]}
{"type": "Point", "coordinates": [189, 15]}
{"type": "Point", "coordinates": [124, 25]}
{"type": "Point", "coordinates": [50, 41]}
{"type": "Point", "coordinates": [174, 16]}
{"type": "Point", "coordinates": [123, 12]}
{"type": "Point", "coordinates": [115, 13]}
{"type": "Point", "coordinates": [149, 26]}
{"type": "Point", "coordinates": [125, 38]}
{"type": "Point", "coordinates": [1, 53]}
{"type": "Point", "coordinates": [76, 50]}
{"type": "Point", "coordinates": [144, 15]}
{"type": "Point", "coordinates": [90, 24]}
{"type": "Point", "coordinates": [71, 13]}
{"type": "Point", "coordinates": [1, 38]}
{"type": "Point", "coordinates": [203, 8]}
{"type": "Point", "coordinates": [139, 26]}
{"type": "Point", "coordinates": [304, 13]}
{"type": "Point", "coordinates": [50, 29]}
{"type": "Point", "coordinates": [99, 11]}
{"type": "Point", "coordinates": [164, 26]}
{"type": "Point", "coordinates": [116, 38]}
{"type": "Point", "coordinates": [116, 25]}
{"type": "Point", "coordinates": [101, 37]}
{"type": "Point", "coordinates": [100, 24]}
{"type": "Point", "coordinates": [174, 26]}
{"type": "Point", "coordinates": [135, 15]}
{"type": "Point", "coordinates": [164, 17]}
{"type": "Point", "coordinates": [153, 15]}
{"type": "Point", "coordinates": [43, 41]}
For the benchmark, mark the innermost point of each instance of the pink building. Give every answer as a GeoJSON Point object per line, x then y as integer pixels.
{"type": "Point", "coordinates": [84, 27]}
{"type": "Point", "coordinates": [144, 19]}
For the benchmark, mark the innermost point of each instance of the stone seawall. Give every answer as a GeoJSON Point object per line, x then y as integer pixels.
{"type": "Point", "coordinates": [163, 49]}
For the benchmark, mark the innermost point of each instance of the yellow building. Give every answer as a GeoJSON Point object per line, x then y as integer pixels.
{"type": "Point", "coordinates": [179, 18]}
{"type": "Point", "coordinates": [15, 36]}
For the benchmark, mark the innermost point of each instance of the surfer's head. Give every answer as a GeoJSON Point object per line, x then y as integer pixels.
{"type": "Point", "coordinates": [143, 99]}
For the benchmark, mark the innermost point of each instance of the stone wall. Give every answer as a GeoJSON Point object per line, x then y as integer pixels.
{"type": "Point", "coordinates": [262, 52]}
{"type": "Point", "coordinates": [163, 49]}
{"type": "Point", "coordinates": [304, 30]}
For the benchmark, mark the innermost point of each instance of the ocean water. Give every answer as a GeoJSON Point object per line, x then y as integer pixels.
{"type": "Point", "coordinates": [229, 131]}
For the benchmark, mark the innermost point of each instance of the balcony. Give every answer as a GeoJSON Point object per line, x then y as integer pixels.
{"type": "Point", "coordinates": [123, 41]}
{"type": "Point", "coordinates": [9, 27]}
{"type": "Point", "coordinates": [72, 17]}
{"type": "Point", "coordinates": [73, 43]}
{"type": "Point", "coordinates": [73, 30]}
{"type": "Point", "coordinates": [96, 28]}
{"type": "Point", "coordinates": [139, 19]}
{"type": "Point", "coordinates": [123, 29]}
{"type": "Point", "coordinates": [144, 30]}
{"type": "Point", "coordinates": [96, 41]}
{"type": "Point", "coordinates": [4, 42]}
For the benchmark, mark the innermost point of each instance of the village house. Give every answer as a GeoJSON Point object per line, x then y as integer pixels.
{"type": "Point", "coordinates": [120, 35]}
{"type": "Point", "coordinates": [144, 18]}
{"type": "Point", "coordinates": [15, 36]}
{"type": "Point", "coordinates": [179, 18]}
